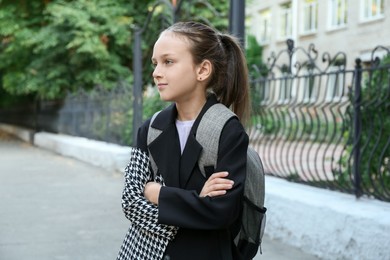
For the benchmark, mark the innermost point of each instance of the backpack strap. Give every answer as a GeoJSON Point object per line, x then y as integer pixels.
{"type": "Point", "coordinates": [209, 132]}
{"type": "Point", "coordinates": [153, 133]}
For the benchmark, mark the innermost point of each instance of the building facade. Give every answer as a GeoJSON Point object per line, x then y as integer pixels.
{"type": "Point", "coordinates": [354, 27]}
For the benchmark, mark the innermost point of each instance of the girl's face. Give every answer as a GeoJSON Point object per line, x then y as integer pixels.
{"type": "Point", "coordinates": [175, 73]}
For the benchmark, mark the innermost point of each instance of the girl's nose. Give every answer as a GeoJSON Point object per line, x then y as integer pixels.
{"type": "Point", "coordinates": [156, 72]}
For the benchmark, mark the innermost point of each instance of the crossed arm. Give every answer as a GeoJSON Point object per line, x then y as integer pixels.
{"type": "Point", "coordinates": [216, 185]}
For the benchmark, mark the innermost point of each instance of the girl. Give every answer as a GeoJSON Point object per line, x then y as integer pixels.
{"type": "Point", "coordinates": [196, 67]}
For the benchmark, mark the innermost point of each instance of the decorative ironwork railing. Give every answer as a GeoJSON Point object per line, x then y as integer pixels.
{"type": "Point", "coordinates": [324, 126]}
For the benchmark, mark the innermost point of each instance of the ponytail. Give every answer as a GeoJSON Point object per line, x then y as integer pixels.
{"type": "Point", "coordinates": [234, 88]}
{"type": "Point", "coordinates": [229, 79]}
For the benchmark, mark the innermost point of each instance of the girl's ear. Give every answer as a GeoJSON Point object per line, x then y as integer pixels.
{"type": "Point", "coordinates": [204, 70]}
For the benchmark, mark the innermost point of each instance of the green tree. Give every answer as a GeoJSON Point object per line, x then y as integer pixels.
{"type": "Point", "coordinates": [64, 46]}
{"type": "Point", "coordinates": [50, 47]}
{"type": "Point", "coordinates": [18, 23]}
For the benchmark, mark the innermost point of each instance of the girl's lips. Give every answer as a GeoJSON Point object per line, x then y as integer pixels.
{"type": "Point", "coordinates": [161, 86]}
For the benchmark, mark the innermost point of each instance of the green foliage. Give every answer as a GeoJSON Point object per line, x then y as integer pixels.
{"type": "Point", "coordinates": [212, 12]}
{"type": "Point", "coordinates": [374, 165]}
{"type": "Point", "coordinates": [50, 49]}
{"type": "Point", "coordinates": [18, 23]}
{"type": "Point", "coordinates": [375, 132]}
{"type": "Point", "coordinates": [257, 73]}
{"type": "Point", "coordinates": [254, 56]}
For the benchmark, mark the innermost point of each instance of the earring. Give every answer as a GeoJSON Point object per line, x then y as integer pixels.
{"type": "Point", "coordinates": [200, 78]}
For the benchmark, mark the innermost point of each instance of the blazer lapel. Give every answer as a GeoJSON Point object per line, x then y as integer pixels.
{"type": "Point", "coordinates": [189, 158]}
{"type": "Point", "coordinates": [165, 149]}
{"type": "Point", "coordinates": [193, 149]}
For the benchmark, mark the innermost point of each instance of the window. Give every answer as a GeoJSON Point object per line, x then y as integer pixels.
{"type": "Point", "coordinates": [336, 82]}
{"type": "Point", "coordinates": [338, 13]}
{"type": "Point", "coordinates": [265, 26]}
{"type": "Point", "coordinates": [286, 21]}
{"type": "Point", "coordinates": [372, 9]}
{"type": "Point", "coordinates": [310, 16]}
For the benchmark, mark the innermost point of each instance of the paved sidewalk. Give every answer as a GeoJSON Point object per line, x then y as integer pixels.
{"type": "Point", "coordinates": [53, 207]}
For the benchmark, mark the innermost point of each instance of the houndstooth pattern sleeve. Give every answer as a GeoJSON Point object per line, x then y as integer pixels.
{"type": "Point", "coordinates": [146, 238]}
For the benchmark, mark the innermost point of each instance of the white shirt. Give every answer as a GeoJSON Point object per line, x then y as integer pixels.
{"type": "Point", "coordinates": [183, 128]}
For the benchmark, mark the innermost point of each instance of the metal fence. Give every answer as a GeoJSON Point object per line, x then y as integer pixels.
{"type": "Point", "coordinates": [99, 114]}
{"type": "Point", "coordinates": [323, 124]}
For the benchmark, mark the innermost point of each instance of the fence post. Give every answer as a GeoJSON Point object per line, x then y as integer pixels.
{"type": "Point", "coordinates": [357, 128]}
{"type": "Point", "coordinates": [137, 87]}
{"type": "Point", "coordinates": [290, 47]}
{"type": "Point", "coordinates": [237, 20]}
{"type": "Point", "coordinates": [37, 101]}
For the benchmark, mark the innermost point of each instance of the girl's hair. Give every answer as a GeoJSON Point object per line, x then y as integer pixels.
{"type": "Point", "coordinates": [229, 79]}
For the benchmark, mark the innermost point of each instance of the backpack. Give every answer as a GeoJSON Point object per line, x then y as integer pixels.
{"type": "Point", "coordinates": [253, 218]}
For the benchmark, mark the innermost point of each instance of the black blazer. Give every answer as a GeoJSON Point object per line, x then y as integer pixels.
{"type": "Point", "coordinates": [207, 225]}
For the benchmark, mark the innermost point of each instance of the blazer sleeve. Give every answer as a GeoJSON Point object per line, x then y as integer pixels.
{"type": "Point", "coordinates": [184, 208]}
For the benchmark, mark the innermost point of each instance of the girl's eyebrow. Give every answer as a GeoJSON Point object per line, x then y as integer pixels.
{"type": "Point", "coordinates": [162, 56]}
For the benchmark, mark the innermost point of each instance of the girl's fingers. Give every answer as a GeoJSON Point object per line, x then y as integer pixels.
{"type": "Point", "coordinates": [216, 185]}
{"type": "Point", "coordinates": [216, 189]}
{"type": "Point", "coordinates": [218, 175]}
{"type": "Point", "coordinates": [216, 193]}
{"type": "Point", "coordinates": [219, 181]}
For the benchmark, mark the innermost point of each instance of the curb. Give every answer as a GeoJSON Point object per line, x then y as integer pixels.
{"type": "Point", "coordinates": [24, 134]}
{"type": "Point", "coordinates": [101, 154]}
{"type": "Point", "coordinates": [327, 224]}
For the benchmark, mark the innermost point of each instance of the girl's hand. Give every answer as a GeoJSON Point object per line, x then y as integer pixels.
{"type": "Point", "coordinates": [216, 185]}
{"type": "Point", "coordinates": [152, 192]}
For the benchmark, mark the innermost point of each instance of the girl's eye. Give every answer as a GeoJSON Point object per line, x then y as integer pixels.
{"type": "Point", "coordinates": [166, 62]}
